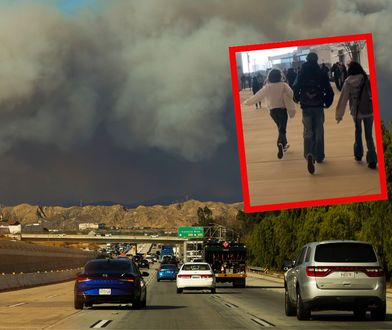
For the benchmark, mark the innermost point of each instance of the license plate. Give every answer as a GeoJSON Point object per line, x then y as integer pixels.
{"type": "Point", "coordinates": [347, 274]}
{"type": "Point", "coordinates": [195, 276]}
{"type": "Point", "coordinates": [105, 291]}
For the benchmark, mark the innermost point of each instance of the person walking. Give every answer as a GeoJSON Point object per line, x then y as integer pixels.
{"type": "Point", "coordinates": [324, 68]}
{"type": "Point", "coordinates": [291, 76]}
{"type": "Point", "coordinates": [255, 88]}
{"type": "Point", "coordinates": [337, 75]}
{"type": "Point", "coordinates": [356, 91]}
{"type": "Point", "coordinates": [243, 85]}
{"type": "Point", "coordinates": [275, 93]}
{"type": "Point", "coordinates": [314, 93]}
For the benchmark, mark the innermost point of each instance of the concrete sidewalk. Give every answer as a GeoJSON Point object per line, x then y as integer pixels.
{"type": "Point", "coordinates": [272, 180]}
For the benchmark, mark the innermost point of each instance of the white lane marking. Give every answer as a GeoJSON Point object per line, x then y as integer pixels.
{"type": "Point", "coordinates": [52, 296]}
{"type": "Point", "coordinates": [231, 305]}
{"type": "Point", "coordinates": [18, 304]}
{"type": "Point", "coordinates": [101, 324]}
{"type": "Point", "coordinates": [262, 322]}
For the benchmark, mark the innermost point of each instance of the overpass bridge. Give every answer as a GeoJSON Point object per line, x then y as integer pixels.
{"type": "Point", "coordinates": [100, 239]}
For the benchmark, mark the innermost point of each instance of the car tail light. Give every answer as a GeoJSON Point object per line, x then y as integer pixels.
{"type": "Point", "coordinates": [82, 278]}
{"type": "Point", "coordinates": [317, 271]}
{"type": "Point", "coordinates": [184, 276]}
{"type": "Point", "coordinates": [323, 271]}
{"type": "Point", "coordinates": [374, 271]}
{"type": "Point", "coordinates": [206, 276]}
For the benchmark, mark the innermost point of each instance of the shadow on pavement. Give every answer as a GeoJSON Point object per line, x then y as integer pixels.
{"type": "Point", "coordinates": [349, 317]}
{"type": "Point", "coordinates": [264, 287]}
{"type": "Point", "coordinates": [129, 306]}
{"type": "Point", "coordinates": [162, 307]}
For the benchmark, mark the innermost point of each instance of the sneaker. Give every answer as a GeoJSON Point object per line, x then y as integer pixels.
{"type": "Point", "coordinates": [319, 161]}
{"type": "Point", "coordinates": [280, 150]}
{"type": "Point", "coordinates": [372, 165]}
{"type": "Point", "coordinates": [358, 159]}
{"type": "Point", "coordinates": [310, 164]}
{"type": "Point", "coordinates": [286, 147]}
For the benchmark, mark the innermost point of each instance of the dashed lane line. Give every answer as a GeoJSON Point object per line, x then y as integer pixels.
{"type": "Point", "coordinates": [100, 324]}
{"type": "Point", "coordinates": [261, 322]}
{"type": "Point", "coordinates": [18, 304]}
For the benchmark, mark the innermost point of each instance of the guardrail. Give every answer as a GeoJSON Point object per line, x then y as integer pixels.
{"type": "Point", "coordinates": [25, 280]}
{"type": "Point", "coordinates": [20, 257]}
{"type": "Point", "coordinates": [264, 271]}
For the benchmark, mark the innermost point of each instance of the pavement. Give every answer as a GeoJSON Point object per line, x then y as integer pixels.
{"type": "Point", "coordinates": [272, 180]}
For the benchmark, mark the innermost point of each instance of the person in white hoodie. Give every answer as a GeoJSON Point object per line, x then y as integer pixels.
{"type": "Point", "coordinates": [276, 95]}
{"type": "Point", "coordinates": [353, 86]}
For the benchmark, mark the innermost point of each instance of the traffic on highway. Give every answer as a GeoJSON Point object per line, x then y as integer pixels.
{"type": "Point", "coordinates": [331, 284]}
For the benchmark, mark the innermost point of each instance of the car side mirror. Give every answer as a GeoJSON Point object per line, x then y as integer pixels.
{"type": "Point", "coordinates": [287, 264]}
{"type": "Point", "coordinates": [145, 274]}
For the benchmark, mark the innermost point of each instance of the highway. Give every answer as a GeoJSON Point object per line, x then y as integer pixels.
{"type": "Point", "coordinates": [259, 305]}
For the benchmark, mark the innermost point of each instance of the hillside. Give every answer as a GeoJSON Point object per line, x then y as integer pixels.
{"type": "Point", "coordinates": [157, 216]}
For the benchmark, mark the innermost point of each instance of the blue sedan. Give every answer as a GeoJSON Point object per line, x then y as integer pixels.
{"type": "Point", "coordinates": [167, 272]}
{"type": "Point", "coordinates": [110, 281]}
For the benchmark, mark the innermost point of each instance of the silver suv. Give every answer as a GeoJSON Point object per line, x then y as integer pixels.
{"type": "Point", "coordinates": [336, 275]}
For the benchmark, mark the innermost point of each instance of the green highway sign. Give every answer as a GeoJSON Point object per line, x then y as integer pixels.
{"type": "Point", "coordinates": [191, 232]}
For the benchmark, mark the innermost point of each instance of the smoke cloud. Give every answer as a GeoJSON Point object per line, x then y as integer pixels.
{"type": "Point", "coordinates": [148, 73]}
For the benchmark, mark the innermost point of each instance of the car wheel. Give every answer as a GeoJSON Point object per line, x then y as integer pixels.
{"type": "Point", "coordinates": [78, 303]}
{"type": "Point", "coordinates": [179, 290]}
{"type": "Point", "coordinates": [360, 313]}
{"type": "Point", "coordinates": [137, 304]}
{"type": "Point", "coordinates": [143, 303]}
{"type": "Point", "coordinates": [379, 313]}
{"type": "Point", "coordinates": [303, 313]}
{"type": "Point", "coordinates": [289, 307]}
{"type": "Point", "coordinates": [213, 290]}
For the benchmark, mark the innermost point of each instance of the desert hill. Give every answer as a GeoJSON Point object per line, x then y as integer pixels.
{"type": "Point", "coordinates": [157, 216]}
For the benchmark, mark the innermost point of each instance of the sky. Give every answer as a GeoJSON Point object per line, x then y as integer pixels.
{"type": "Point", "coordinates": [259, 58]}
{"type": "Point", "coordinates": [130, 101]}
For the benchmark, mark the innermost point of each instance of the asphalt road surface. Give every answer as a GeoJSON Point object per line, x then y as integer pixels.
{"type": "Point", "coordinates": [258, 306]}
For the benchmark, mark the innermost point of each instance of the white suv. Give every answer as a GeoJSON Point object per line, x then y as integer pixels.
{"type": "Point", "coordinates": [336, 275]}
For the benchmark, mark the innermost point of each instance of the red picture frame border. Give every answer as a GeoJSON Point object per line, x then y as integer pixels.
{"type": "Point", "coordinates": [383, 195]}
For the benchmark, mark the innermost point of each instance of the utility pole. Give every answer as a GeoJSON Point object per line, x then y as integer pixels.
{"type": "Point", "coordinates": [247, 54]}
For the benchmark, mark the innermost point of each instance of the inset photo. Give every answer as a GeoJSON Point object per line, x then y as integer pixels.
{"type": "Point", "coordinates": [308, 122]}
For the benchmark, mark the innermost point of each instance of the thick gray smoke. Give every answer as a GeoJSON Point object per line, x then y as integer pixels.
{"type": "Point", "coordinates": [148, 73]}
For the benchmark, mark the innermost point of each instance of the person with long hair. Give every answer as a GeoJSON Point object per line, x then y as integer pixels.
{"type": "Point", "coordinates": [353, 88]}
{"type": "Point", "coordinates": [274, 93]}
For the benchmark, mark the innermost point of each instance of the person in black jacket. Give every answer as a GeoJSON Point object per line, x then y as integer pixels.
{"type": "Point", "coordinates": [335, 70]}
{"type": "Point", "coordinates": [255, 88]}
{"type": "Point", "coordinates": [314, 93]}
{"type": "Point", "coordinates": [291, 76]}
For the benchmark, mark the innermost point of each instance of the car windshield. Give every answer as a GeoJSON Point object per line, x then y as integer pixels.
{"type": "Point", "coordinates": [196, 267]}
{"type": "Point", "coordinates": [345, 252]}
{"type": "Point", "coordinates": [110, 267]}
{"type": "Point", "coordinates": [168, 267]}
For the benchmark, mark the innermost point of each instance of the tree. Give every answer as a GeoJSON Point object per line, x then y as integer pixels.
{"type": "Point", "coordinates": [354, 49]}
{"type": "Point", "coordinates": [204, 216]}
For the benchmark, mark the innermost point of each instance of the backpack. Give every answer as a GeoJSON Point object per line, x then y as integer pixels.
{"type": "Point", "coordinates": [364, 105]}
{"type": "Point", "coordinates": [312, 94]}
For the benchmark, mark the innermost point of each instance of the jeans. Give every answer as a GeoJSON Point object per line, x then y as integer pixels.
{"type": "Point", "coordinates": [371, 156]}
{"type": "Point", "coordinates": [279, 115]}
{"type": "Point", "coordinates": [313, 121]}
